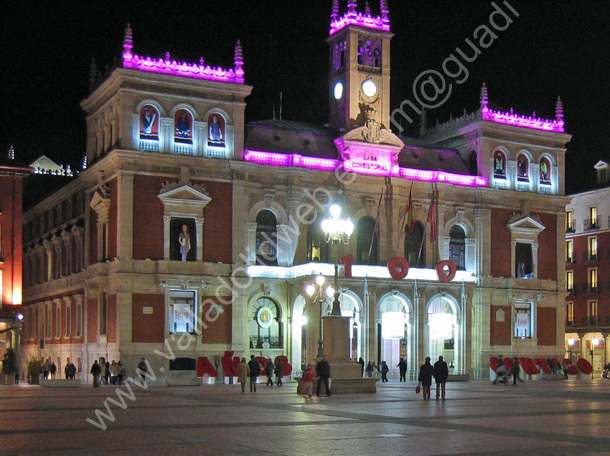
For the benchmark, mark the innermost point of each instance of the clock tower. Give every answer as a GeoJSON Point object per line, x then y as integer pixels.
{"type": "Point", "coordinates": [359, 80]}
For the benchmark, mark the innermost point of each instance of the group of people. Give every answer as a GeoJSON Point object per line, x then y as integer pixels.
{"type": "Point", "coordinates": [251, 370]}
{"type": "Point", "coordinates": [502, 372]}
{"type": "Point", "coordinates": [440, 372]}
{"type": "Point", "coordinates": [106, 373]}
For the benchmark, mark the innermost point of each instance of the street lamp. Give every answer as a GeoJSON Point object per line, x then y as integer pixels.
{"type": "Point", "coordinates": [337, 230]}
{"type": "Point", "coordinates": [571, 343]}
{"type": "Point", "coordinates": [318, 293]}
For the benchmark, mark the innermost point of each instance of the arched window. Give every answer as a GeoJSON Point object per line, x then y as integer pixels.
{"type": "Point", "coordinates": [523, 166]}
{"type": "Point", "coordinates": [545, 171]}
{"type": "Point", "coordinates": [265, 324]}
{"type": "Point", "coordinates": [413, 244]}
{"type": "Point", "coordinates": [367, 240]}
{"type": "Point", "coordinates": [266, 238]}
{"type": "Point", "coordinates": [149, 123]}
{"type": "Point", "coordinates": [472, 163]}
{"type": "Point", "coordinates": [499, 165]}
{"type": "Point", "coordinates": [457, 246]}
{"type": "Point", "coordinates": [216, 130]}
{"type": "Point", "coordinates": [183, 127]}
{"type": "Point", "coordinates": [317, 248]}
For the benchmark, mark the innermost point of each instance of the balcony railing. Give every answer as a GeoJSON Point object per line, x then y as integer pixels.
{"type": "Point", "coordinates": [589, 321]}
{"type": "Point", "coordinates": [592, 224]}
{"type": "Point", "coordinates": [590, 255]}
{"type": "Point", "coordinates": [570, 259]}
{"type": "Point", "coordinates": [571, 226]}
{"type": "Point", "coordinates": [592, 289]}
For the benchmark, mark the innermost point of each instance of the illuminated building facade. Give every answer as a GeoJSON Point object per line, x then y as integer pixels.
{"type": "Point", "coordinates": [190, 225]}
{"type": "Point", "coordinates": [587, 271]}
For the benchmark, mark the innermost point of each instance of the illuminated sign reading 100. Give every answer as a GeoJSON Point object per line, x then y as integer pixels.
{"type": "Point", "coordinates": [398, 268]}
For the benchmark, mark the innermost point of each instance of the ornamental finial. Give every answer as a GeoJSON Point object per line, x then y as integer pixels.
{"type": "Point", "coordinates": [351, 7]}
{"type": "Point", "coordinates": [422, 123]}
{"type": "Point", "coordinates": [384, 11]}
{"type": "Point", "coordinates": [84, 164]}
{"type": "Point", "coordinates": [367, 9]}
{"type": "Point", "coordinates": [128, 41]}
{"type": "Point", "coordinates": [239, 60]}
{"type": "Point", "coordinates": [559, 109]}
{"type": "Point", "coordinates": [11, 152]}
{"type": "Point", "coordinates": [484, 99]}
{"type": "Point", "coordinates": [93, 72]}
{"type": "Point", "coordinates": [334, 14]}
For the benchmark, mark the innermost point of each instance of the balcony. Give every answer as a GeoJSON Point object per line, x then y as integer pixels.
{"type": "Point", "coordinates": [571, 227]}
{"type": "Point", "coordinates": [570, 259]}
{"type": "Point", "coordinates": [592, 224]}
{"type": "Point", "coordinates": [590, 255]}
{"type": "Point", "coordinates": [592, 289]}
{"type": "Point", "coordinates": [589, 322]}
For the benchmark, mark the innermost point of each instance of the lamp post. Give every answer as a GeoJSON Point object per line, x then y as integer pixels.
{"type": "Point", "coordinates": [338, 231]}
{"type": "Point", "coordinates": [594, 343]}
{"type": "Point", "coordinates": [571, 343]}
{"type": "Point", "coordinates": [319, 294]}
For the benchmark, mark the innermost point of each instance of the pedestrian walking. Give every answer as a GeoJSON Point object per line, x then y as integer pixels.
{"type": "Point", "coordinates": [70, 370]}
{"type": "Point", "coordinates": [440, 372]}
{"type": "Point", "coordinates": [269, 368]}
{"type": "Point", "coordinates": [384, 371]}
{"type": "Point", "coordinates": [279, 372]}
{"type": "Point", "coordinates": [515, 369]}
{"type": "Point", "coordinates": [53, 369]}
{"type": "Point", "coordinates": [255, 371]}
{"type": "Point", "coordinates": [402, 368]}
{"type": "Point", "coordinates": [243, 372]}
{"type": "Point", "coordinates": [122, 372]}
{"type": "Point", "coordinates": [323, 374]}
{"type": "Point", "coordinates": [369, 369]}
{"type": "Point", "coordinates": [46, 368]}
{"type": "Point", "coordinates": [308, 382]}
{"type": "Point", "coordinates": [96, 371]}
{"type": "Point", "coordinates": [425, 378]}
{"type": "Point", "coordinates": [143, 369]}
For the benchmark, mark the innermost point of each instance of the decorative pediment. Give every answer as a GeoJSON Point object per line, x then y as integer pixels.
{"type": "Point", "coordinates": [184, 193]}
{"type": "Point", "coordinates": [100, 202]}
{"type": "Point", "coordinates": [525, 224]}
{"type": "Point", "coordinates": [370, 134]}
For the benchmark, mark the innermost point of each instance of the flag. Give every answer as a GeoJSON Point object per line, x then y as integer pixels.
{"type": "Point", "coordinates": [376, 231]}
{"type": "Point", "coordinates": [410, 222]}
{"type": "Point", "coordinates": [432, 220]}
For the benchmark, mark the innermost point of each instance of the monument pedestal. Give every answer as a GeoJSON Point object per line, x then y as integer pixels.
{"type": "Point", "coordinates": [346, 374]}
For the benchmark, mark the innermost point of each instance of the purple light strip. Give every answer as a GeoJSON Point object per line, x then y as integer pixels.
{"type": "Point", "coordinates": [183, 69]}
{"type": "Point", "coordinates": [522, 121]}
{"type": "Point", "coordinates": [328, 164]}
{"type": "Point", "coordinates": [362, 20]}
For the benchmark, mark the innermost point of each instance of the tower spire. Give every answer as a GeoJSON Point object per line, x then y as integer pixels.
{"type": "Point", "coordinates": [384, 11]}
{"type": "Point", "coordinates": [92, 74]}
{"type": "Point", "coordinates": [422, 123]}
{"type": "Point", "coordinates": [367, 9]}
{"type": "Point", "coordinates": [239, 60]}
{"type": "Point", "coordinates": [334, 14]}
{"type": "Point", "coordinates": [128, 42]}
{"type": "Point", "coordinates": [484, 99]}
{"type": "Point", "coordinates": [559, 109]}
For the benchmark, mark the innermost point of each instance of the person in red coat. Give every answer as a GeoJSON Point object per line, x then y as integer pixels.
{"type": "Point", "coordinates": [308, 380]}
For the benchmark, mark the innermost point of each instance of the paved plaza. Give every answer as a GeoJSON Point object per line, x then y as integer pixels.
{"type": "Point", "coordinates": [536, 418]}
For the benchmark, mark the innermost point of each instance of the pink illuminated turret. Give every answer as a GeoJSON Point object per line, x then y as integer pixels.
{"type": "Point", "coordinates": [484, 99]}
{"type": "Point", "coordinates": [128, 43]}
{"type": "Point", "coordinates": [239, 60]}
{"type": "Point", "coordinates": [384, 12]}
{"type": "Point", "coordinates": [334, 15]}
{"type": "Point", "coordinates": [351, 8]}
{"type": "Point", "coordinates": [559, 109]}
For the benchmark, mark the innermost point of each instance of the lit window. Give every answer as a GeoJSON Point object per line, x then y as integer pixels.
{"type": "Point", "coordinates": [570, 311]}
{"type": "Point", "coordinates": [570, 221]}
{"type": "Point", "coordinates": [265, 327]}
{"type": "Point", "coordinates": [592, 280]}
{"type": "Point", "coordinates": [570, 280]}
{"type": "Point", "coordinates": [524, 320]}
{"type": "Point", "coordinates": [592, 248]}
{"type": "Point", "coordinates": [569, 252]}
{"type": "Point", "coordinates": [183, 311]}
{"type": "Point", "coordinates": [103, 314]}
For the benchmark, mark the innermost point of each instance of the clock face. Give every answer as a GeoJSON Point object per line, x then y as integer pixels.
{"type": "Point", "coordinates": [369, 88]}
{"type": "Point", "coordinates": [338, 90]}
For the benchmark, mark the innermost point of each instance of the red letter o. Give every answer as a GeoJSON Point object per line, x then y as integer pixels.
{"type": "Point", "coordinates": [441, 273]}
{"type": "Point", "coordinates": [393, 268]}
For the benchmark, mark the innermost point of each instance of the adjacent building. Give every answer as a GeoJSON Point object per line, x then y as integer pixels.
{"type": "Point", "coordinates": [191, 233]}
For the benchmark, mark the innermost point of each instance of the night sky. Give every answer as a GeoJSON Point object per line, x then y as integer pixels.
{"type": "Point", "coordinates": [552, 48]}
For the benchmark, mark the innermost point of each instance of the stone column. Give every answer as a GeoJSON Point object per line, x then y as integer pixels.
{"type": "Point", "coordinates": [414, 344]}
{"type": "Point", "coordinates": [371, 331]}
{"type": "Point", "coordinates": [535, 259]}
{"type": "Point", "coordinates": [125, 226]}
{"type": "Point", "coordinates": [199, 229]}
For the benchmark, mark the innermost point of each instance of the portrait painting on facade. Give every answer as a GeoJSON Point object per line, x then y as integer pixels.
{"type": "Point", "coordinates": [216, 130]}
{"type": "Point", "coordinates": [499, 165]}
{"type": "Point", "coordinates": [522, 167]}
{"type": "Point", "coordinates": [183, 239]}
{"type": "Point", "coordinates": [545, 171]}
{"type": "Point", "coordinates": [149, 123]}
{"type": "Point", "coordinates": [183, 127]}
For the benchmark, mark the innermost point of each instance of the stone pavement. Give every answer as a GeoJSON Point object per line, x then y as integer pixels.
{"type": "Point", "coordinates": [534, 418]}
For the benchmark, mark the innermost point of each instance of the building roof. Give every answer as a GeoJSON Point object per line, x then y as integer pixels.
{"type": "Point", "coordinates": [289, 137]}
